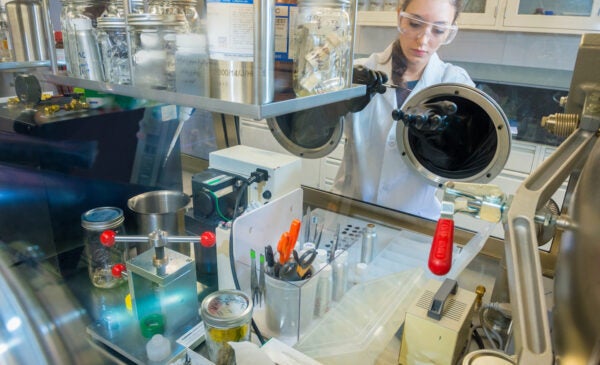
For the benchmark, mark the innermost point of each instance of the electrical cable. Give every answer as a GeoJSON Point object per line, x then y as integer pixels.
{"type": "Point", "coordinates": [236, 282]}
{"type": "Point", "coordinates": [219, 213]}
{"type": "Point", "coordinates": [477, 337]}
{"type": "Point", "coordinates": [491, 334]}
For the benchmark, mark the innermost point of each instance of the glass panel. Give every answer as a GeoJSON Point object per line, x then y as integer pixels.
{"type": "Point", "coordinates": [474, 6]}
{"type": "Point", "coordinates": [556, 7]}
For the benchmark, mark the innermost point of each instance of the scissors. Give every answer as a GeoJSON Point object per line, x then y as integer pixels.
{"type": "Point", "coordinates": [303, 262]}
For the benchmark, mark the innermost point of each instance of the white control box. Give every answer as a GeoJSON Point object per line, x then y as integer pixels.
{"type": "Point", "coordinates": [284, 170]}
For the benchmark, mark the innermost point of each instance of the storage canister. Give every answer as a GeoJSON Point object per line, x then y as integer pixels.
{"type": "Point", "coordinates": [101, 259]}
{"type": "Point", "coordinates": [29, 39]}
{"type": "Point", "coordinates": [226, 315]}
{"type": "Point", "coordinates": [112, 38]}
{"type": "Point", "coordinates": [323, 58]}
{"type": "Point", "coordinates": [78, 22]}
{"type": "Point", "coordinates": [152, 48]}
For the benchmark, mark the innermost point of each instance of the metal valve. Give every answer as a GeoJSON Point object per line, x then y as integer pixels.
{"type": "Point", "coordinates": [158, 239]}
{"type": "Point", "coordinates": [482, 201]}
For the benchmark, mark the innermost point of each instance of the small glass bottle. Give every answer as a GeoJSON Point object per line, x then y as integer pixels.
{"type": "Point", "coordinates": [101, 259]}
{"type": "Point", "coordinates": [152, 48]}
{"type": "Point", "coordinates": [112, 38]}
{"type": "Point", "coordinates": [323, 39]}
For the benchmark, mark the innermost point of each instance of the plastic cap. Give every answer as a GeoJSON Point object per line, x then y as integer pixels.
{"type": "Point", "coordinates": [58, 36]}
{"type": "Point", "coordinates": [208, 239]}
{"type": "Point", "coordinates": [117, 270]}
{"type": "Point", "coordinates": [107, 238]}
{"type": "Point", "coordinates": [158, 348]}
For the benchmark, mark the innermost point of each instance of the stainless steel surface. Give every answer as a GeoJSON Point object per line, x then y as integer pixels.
{"type": "Point", "coordinates": [468, 96]}
{"type": "Point", "coordinates": [215, 105]}
{"type": "Point", "coordinates": [42, 322]}
{"type": "Point", "coordinates": [264, 51]}
{"type": "Point", "coordinates": [531, 329]}
{"type": "Point", "coordinates": [164, 210]}
{"type": "Point", "coordinates": [576, 286]}
{"type": "Point", "coordinates": [27, 22]}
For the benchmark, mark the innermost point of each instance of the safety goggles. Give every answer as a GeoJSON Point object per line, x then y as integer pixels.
{"type": "Point", "coordinates": [415, 27]}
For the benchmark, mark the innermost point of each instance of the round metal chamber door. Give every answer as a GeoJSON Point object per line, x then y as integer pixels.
{"type": "Point", "coordinates": [471, 145]}
{"type": "Point", "coordinates": [310, 133]}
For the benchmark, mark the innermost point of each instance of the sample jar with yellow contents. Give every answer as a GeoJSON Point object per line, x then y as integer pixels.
{"type": "Point", "coordinates": [226, 315]}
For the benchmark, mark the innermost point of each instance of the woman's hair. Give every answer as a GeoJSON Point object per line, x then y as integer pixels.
{"type": "Point", "coordinates": [403, 4]}
{"type": "Point", "coordinates": [397, 56]}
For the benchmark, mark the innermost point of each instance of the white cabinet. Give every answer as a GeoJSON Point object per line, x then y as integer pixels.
{"type": "Point", "coordinates": [556, 14]}
{"type": "Point", "coordinates": [571, 16]}
{"type": "Point", "coordinates": [483, 13]}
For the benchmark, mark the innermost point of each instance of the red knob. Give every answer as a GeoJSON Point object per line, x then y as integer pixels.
{"type": "Point", "coordinates": [208, 239]}
{"type": "Point", "coordinates": [440, 256]}
{"type": "Point", "coordinates": [117, 269]}
{"type": "Point", "coordinates": [107, 238]}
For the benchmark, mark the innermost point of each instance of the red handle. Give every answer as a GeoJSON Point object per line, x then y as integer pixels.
{"type": "Point", "coordinates": [107, 238]}
{"type": "Point", "coordinates": [440, 256]}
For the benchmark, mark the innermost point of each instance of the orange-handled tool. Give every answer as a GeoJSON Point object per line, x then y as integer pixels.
{"type": "Point", "coordinates": [294, 232]}
{"type": "Point", "coordinates": [283, 247]}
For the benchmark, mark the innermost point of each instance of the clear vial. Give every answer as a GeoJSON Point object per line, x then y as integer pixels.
{"type": "Point", "coordinates": [323, 39]}
{"type": "Point", "coordinates": [100, 258]}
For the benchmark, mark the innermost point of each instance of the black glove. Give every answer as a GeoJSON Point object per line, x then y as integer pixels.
{"type": "Point", "coordinates": [374, 80]}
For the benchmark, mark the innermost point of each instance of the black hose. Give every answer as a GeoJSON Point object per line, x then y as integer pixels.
{"type": "Point", "coordinates": [231, 258]}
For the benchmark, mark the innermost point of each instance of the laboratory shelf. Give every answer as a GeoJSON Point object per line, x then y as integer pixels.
{"type": "Point", "coordinates": [255, 111]}
{"type": "Point", "coordinates": [16, 66]}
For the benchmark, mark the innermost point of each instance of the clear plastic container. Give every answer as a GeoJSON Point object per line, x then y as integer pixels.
{"type": "Point", "coordinates": [152, 48]}
{"type": "Point", "coordinates": [101, 259]}
{"type": "Point", "coordinates": [323, 41]}
{"type": "Point", "coordinates": [78, 20]}
{"type": "Point", "coordinates": [226, 315]}
{"type": "Point", "coordinates": [112, 38]}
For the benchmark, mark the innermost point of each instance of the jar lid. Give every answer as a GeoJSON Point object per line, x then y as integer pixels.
{"type": "Point", "coordinates": [155, 19]}
{"type": "Point", "coordinates": [110, 22]}
{"type": "Point", "coordinates": [226, 309]}
{"type": "Point", "coordinates": [102, 218]}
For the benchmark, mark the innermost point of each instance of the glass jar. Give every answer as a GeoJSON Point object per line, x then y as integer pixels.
{"type": "Point", "coordinates": [226, 315]}
{"type": "Point", "coordinates": [112, 38]}
{"type": "Point", "coordinates": [101, 259]}
{"type": "Point", "coordinates": [152, 49]}
{"type": "Point", "coordinates": [323, 40]}
{"type": "Point", "coordinates": [187, 8]}
{"type": "Point", "coordinates": [192, 64]}
{"type": "Point", "coordinates": [78, 21]}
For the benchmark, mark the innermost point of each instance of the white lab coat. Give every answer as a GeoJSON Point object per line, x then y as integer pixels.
{"type": "Point", "coordinates": [372, 169]}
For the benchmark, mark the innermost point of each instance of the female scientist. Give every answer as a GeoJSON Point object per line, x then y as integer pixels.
{"type": "Point", "coordinates": [372, 168]}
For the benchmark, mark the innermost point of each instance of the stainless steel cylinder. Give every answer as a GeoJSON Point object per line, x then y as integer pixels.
{"type": "Point", "coordinates": [27, 30]}
{"type": "Point", "coordinates": [368, 241]}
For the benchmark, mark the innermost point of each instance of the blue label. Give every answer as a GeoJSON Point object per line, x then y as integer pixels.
{"type": "Point", "coordinates": [285, 23]}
